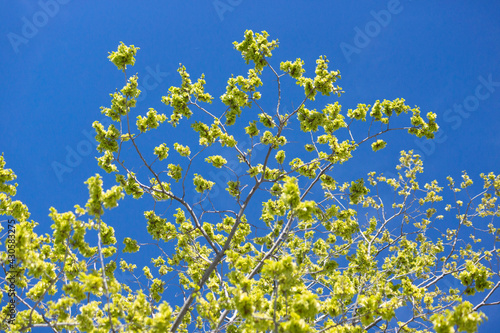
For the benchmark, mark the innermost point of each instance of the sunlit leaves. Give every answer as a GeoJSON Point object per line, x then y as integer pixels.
{"type": "Point", "coordinates": [233, 188]}
{"type": "Point", "coordinates": [294, 69]}
{"type": "Point", "coordinates": [378, 145]}
{"type": "Point", "coordinates": [130, 245]}
{"type": "Point", "coordinates": [201, 184]}
{"type": "Point", "coordinates": [161, 151]}
{"type": "Point", "coordinates": [95, 202]}
{"type": "Point", "coordinates": [123, 56]}
{"type": "Point", "coordinates": [108, 139]}
{"type": "Point", "coordinates": [255, 48]}
{"type": "Point", "coordinates": [158, 227]}
{"type": "Point", "coordinates": [151, 121]}
{"type": "Point", "coordinates": [357, 191]}
{"type": "Point", "coordinates": [290, 194]}
{"type": "Point", "coordinates": [462, 316]}
{"type": "Point", "coordinates": [323, 82]}
{"type": "Point", "coordinates": [238, 97]}
{"type": "Point", "coordinates": [130, 185]}
{"type": "Point", "coordinates": [266, 120]}
{"type": "Point", "coordinates": [175, 171]}
{"type": "Point", "coordinates": [359, 113]}
{"type": "Point", "coordinates": [182, 150]}
{"type": "Point", "coordinates": [252, 129]}
{"type": "Point", "coordinates": [317, 253]}
{"type": "Point", "coordinates": [280, 156]}
{"type": "Point", "coordinates": [179, 98]}
{"type": "Point", "coordinates": [208, 135]}
{"type": "Point", "coordinates": [216, 160]}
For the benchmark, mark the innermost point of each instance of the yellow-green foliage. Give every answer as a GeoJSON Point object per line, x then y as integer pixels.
{"type": "Point", "coordinates": [287, 247]}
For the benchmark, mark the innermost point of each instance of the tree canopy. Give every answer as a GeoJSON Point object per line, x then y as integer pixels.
{"type": "Point", "coordinates": [276, 243]}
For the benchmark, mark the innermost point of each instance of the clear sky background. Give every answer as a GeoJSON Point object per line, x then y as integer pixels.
{"type": "Point", "coordinates": [443, 56]}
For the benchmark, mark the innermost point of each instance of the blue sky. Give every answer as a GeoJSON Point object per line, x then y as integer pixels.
{"type": "Point", "coordinates": [443, 56]}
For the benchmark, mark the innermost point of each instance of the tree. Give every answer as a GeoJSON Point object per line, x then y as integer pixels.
{"type": "Point", "coordinates": [288, 248]}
